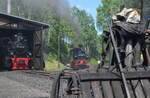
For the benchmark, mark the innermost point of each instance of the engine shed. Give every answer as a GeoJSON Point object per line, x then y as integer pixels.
{"type": "Point", "coordinates": [32, 30]}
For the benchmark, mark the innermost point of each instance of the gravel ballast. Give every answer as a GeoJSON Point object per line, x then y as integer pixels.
{"type": "Point", "coordinates": [18, 84]}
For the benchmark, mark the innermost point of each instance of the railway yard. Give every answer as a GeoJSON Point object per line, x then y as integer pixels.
{"type": "Point", "coordinates": [85, 83]}
{"type": "Point", "coordinates": [25, 84]}
{"type": "Point", "coordinates": [58, 60]}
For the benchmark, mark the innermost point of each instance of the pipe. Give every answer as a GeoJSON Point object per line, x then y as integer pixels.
{"type": "Point", "coordinates": [8, 6]}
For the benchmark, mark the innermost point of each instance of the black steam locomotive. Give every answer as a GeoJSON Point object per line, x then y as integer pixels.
{"type": "Point", "coordinates": [79, 59]}
{"type": "Point", "coordinates": [15, 52]}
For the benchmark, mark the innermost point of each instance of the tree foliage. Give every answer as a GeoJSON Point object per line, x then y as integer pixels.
{"type": "Point", "coordinates": [89, 38]}
{"type": "Point", "coordinates": [104, 12]}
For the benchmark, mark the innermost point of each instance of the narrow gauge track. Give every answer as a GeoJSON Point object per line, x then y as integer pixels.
{"type": "Point", "coordinates": [43, 73]}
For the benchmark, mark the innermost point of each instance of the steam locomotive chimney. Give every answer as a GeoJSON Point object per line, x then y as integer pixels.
{"type": "Point", "coordinates": [8, 6]}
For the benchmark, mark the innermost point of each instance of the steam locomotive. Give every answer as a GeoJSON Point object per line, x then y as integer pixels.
{"type": "Point", "coordinates": [15, 52]}
{"type": "Point", "coordinates": [79, 59]}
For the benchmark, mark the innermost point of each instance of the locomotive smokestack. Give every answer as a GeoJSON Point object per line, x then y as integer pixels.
{"type": "Point", "coordinates": [8, 6]}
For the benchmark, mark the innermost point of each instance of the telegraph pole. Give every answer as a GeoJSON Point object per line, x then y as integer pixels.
{"type": "Point", "coordinates": [8, 6]}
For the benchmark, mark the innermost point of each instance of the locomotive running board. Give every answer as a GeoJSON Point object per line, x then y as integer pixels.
{"type": "Point", "coordinates": [114, 76]}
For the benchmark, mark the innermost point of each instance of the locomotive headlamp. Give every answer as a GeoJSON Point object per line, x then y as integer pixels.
{"type": "Point", "coordinates": [11, 53]}
{"type": "Point", "coordinates": [29, 53]}
{"type": "Point", "coordinates": [15, 35]}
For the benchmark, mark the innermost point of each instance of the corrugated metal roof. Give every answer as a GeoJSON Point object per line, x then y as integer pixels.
{"type": "Point", "coordinates": [6, 19]}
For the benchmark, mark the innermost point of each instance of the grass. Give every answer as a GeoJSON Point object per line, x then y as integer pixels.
{"type": "Point", "coordinates": [53, 65]}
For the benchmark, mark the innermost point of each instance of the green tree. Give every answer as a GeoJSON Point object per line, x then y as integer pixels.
{"type": "Point", "coordinates": [88, 36]}
{"type": "Point", "coordinates": [103, 17]}
{"type": "Point", "coordinates": [103, 12]}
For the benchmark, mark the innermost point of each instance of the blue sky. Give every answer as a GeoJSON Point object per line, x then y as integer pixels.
{"type": "Point", "coordinates": [88, 5]}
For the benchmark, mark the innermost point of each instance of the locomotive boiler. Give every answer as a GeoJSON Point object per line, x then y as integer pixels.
{"type": "Point", "coordinates": [15, 51]}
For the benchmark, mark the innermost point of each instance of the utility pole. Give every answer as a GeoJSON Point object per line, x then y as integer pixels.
{"type": "Point", "coordinates": [58, 43]}
{"type": "Point", "coordinates": [142, 18]}
{"type": "Point", "coordinates": [8, 6]}
{"type": "Point", "coordinates": [58, 49]}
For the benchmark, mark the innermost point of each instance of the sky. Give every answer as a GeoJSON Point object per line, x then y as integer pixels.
{"type": "Point", "coordinates": [88, 5]}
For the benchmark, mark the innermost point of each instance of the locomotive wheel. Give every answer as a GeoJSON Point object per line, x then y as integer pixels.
{"type": "Point", "coordinates": [30, 64]}
{"type": "Point", "coordinates": [8, 64]}
{"type": "Point", "coordinates": [43, 64]}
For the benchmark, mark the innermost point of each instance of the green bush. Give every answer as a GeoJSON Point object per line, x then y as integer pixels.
{"type": "Point", "coordinates": [51, 57]}
{"type": "Point", "coordinates": [93, 61]}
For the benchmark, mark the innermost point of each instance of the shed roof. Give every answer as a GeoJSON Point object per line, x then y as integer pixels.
{"type": "Point", "coordinates": [15, 22]}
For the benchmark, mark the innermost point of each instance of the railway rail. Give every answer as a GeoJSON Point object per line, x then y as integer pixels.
{"type": "Point", "coordinates": [43, 73]}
